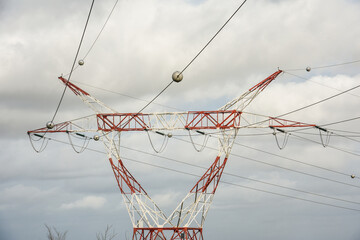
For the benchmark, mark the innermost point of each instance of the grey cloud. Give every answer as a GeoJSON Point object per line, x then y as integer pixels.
{"type": "Point", "coordinates": [143, 43]}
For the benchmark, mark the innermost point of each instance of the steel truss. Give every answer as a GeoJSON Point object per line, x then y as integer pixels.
{"type": "Point", "coordinates": [148, 220]}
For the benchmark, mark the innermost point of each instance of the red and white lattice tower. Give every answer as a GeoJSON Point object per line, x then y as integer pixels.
{"type": "Point", "coordinates": [187, 220]}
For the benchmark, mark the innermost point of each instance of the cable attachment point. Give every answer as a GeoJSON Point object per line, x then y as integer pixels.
{"type": "Point", "coordinates": [206, 138]}
{"type": "Point", "coordinates": [177, 76]}
{"type": "Point", "coordinates": [286, 137]}
{"type": "Point", "coordinates": [50, 125]}
{"type": "Point", "coordinates": [84, 138]}
{"type": "Point", "coordinates": [324, 142]}
{"type": "Point", "coordinates": [164, 143]}
{"type": "Point", "coordinates": [43, 144]}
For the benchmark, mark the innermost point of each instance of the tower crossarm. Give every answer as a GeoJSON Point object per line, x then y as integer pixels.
{"type": "Point", "coordinates": [95, 104]}
{"type": "Point", "coordinates": [240, 103]}
{"type": "Point", "coordinates": [77, 126]}
{"type": "Point", "coordinates": [283, 123]}
{"type": "Point", "coordinates": [192, 120]}
{"type": "Point", "coordinates": [252, 120]}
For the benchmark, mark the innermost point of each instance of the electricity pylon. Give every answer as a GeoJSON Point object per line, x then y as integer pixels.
{"type": "Point", "coordinates": [187, 220]}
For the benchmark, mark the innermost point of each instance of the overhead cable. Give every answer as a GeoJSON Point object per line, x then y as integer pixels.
{"type": "Point", "coordinates": [180, 73]}
{"type": "Point", "coordinates": [326, 66]}
{"type": "Point", "coordinates": [73, 65]}
{"type": "Point", "coordinates": [97, 37]}
{"type": "Point", "coordinates": [207, 44]}
{"type": "Point", "coordinates": [238, 185]}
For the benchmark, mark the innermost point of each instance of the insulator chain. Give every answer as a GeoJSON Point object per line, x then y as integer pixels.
{"type": "Point", "coordinates": [285, 140]}
{"type": "Point", "coordinates": [84, 145]}
{"type": "Point", "coordinates": [163, 145]}
{"type": "Point", "coordinates": [325, 142]}
{"type": "Point", "coordinates": [44, 142]}
{"type": "Point", "coordinates": [206, 138]}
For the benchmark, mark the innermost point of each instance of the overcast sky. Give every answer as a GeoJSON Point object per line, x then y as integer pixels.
{"type": "Point", "coordinates": [144, 42]}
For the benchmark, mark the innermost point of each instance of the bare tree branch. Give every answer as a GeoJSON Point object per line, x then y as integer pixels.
{"type": "Point", "coordinates": [54, 234]}
{"type": "Point", "coordinates": [107, 235]}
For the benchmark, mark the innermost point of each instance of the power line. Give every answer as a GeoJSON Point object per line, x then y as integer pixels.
{"type": "Point", "coordinates": [321, 84]}
{"type": "Point", "coordinates": [241, 177]}
{"type": "Point", "coordinates": [73, 65]}
{"type": "Point", "coordinates": [126, 95]}
{"type": "Point", "coordinates": [273, 165]}
{"type": "Point", "coordinates": [207, 44]}
{"type": "Point", "coordinates": [325, 66]}
{"type": "Point", "coordinates": [293, 160]}
{"type": "Point", "coordinates": [307, 106]}
{"type": "Point", "coordinates": [97, 37]}
{"type": "Point", "coordinates": [234, 184]}
{"type": "Point", "coordinates": [321, 101]}
{"type": "Point", "coordinates": [102, 29]}
{"type": "Point", "coordinates": [247, 187]}
{"type": "Point", "coordinates": [277, 166]}
{"type": "Point", "coordinates": [339, 149]}
{"type": "Point", "coordinates": [341, 121]}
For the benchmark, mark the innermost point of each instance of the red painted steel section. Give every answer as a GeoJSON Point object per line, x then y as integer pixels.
{"type": "Point", "coordinates": [282, 123]}
{"type": "Point", "coordinates": [126, 182]}
{"type": "Point", "coordinates": [195, 120]}
{"type": "Point", "coordinates": [123, 122]}
{"type": "Point", "coordinates": [211, 176]}
{"type": "Point", "coordinates": [73, 87]}
{"type": "Point", "coordinates": [176, 233]}
{"type": "Point", "coordinates": [263, 84]}
{"type": "Point", "coordinates": [60, 127]}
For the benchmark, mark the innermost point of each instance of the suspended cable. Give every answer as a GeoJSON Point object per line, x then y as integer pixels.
{"type": "Point", "coordinates": [285, 140]}
{"type": "Point", "coordinates": [289, 196]}
{"type": "Point", "coordinates": [293, 160]}
{"type": "Point", "coordinates": [206, 138]}
{"type": "Point", "coordinates": [207, 44]}
{"type": "Point", "coordinates": [234, 175]}
{"type": "Point", "coordinates": [128, 96]}
{"type": "Point", "coordinates": [97, 37]}
{"type": "Point", "coordinates": [102, 29]}
{"type": "Point", "coordinates": [85, 139]}
{"type": "Point", "coordinates": [341, 121]}
{"type": "Point", "coordinates": [307, 106]}
{"type": "Point", "coordinates": [180, 73]}
{"type": "Point", "coordinates": [238, 185]}
{"type": "Point", "coordinates": [163, 145]}
{"type": "Point", "coordinates": [318, 102]}
{"type": "Point", "coordinates": [43, 145]}
{"type": "Point", "coordinates": [277, 166]}
{"type": "Point", "coordinates": [73, 65]}
{"type": "Point", "coordinates": [329, 146]}
{"type": "Point", "coordinates": [325, 66]}
{"type": "Point", "coordinates": [321, 84]}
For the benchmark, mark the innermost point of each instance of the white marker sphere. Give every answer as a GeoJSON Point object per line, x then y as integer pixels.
{"type": "Point", "coordinates": [50, 125]}
{"type": "Point", "coordinates": [96, 138]}
{"type": "Point", "coordinates": [353, 176]}
{"type": "Point", "coordinates": [308, 69]}
{"type": "Point", "coordinates": [169, 135]}
{"type": "Point", "coordinates": [177, 76]}
{"type": "Point", "coordinates": [81, 62]}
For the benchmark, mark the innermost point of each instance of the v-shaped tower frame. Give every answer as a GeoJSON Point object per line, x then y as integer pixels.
{"type": "Point", "coordinates": [187, 220]}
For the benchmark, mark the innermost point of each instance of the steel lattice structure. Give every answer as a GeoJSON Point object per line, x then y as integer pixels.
{"type": "Point", "coordinates": [187, 220]}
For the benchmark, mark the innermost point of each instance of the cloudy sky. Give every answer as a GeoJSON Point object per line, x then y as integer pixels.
{"type": "Point", "coordinates": [301, 192]}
